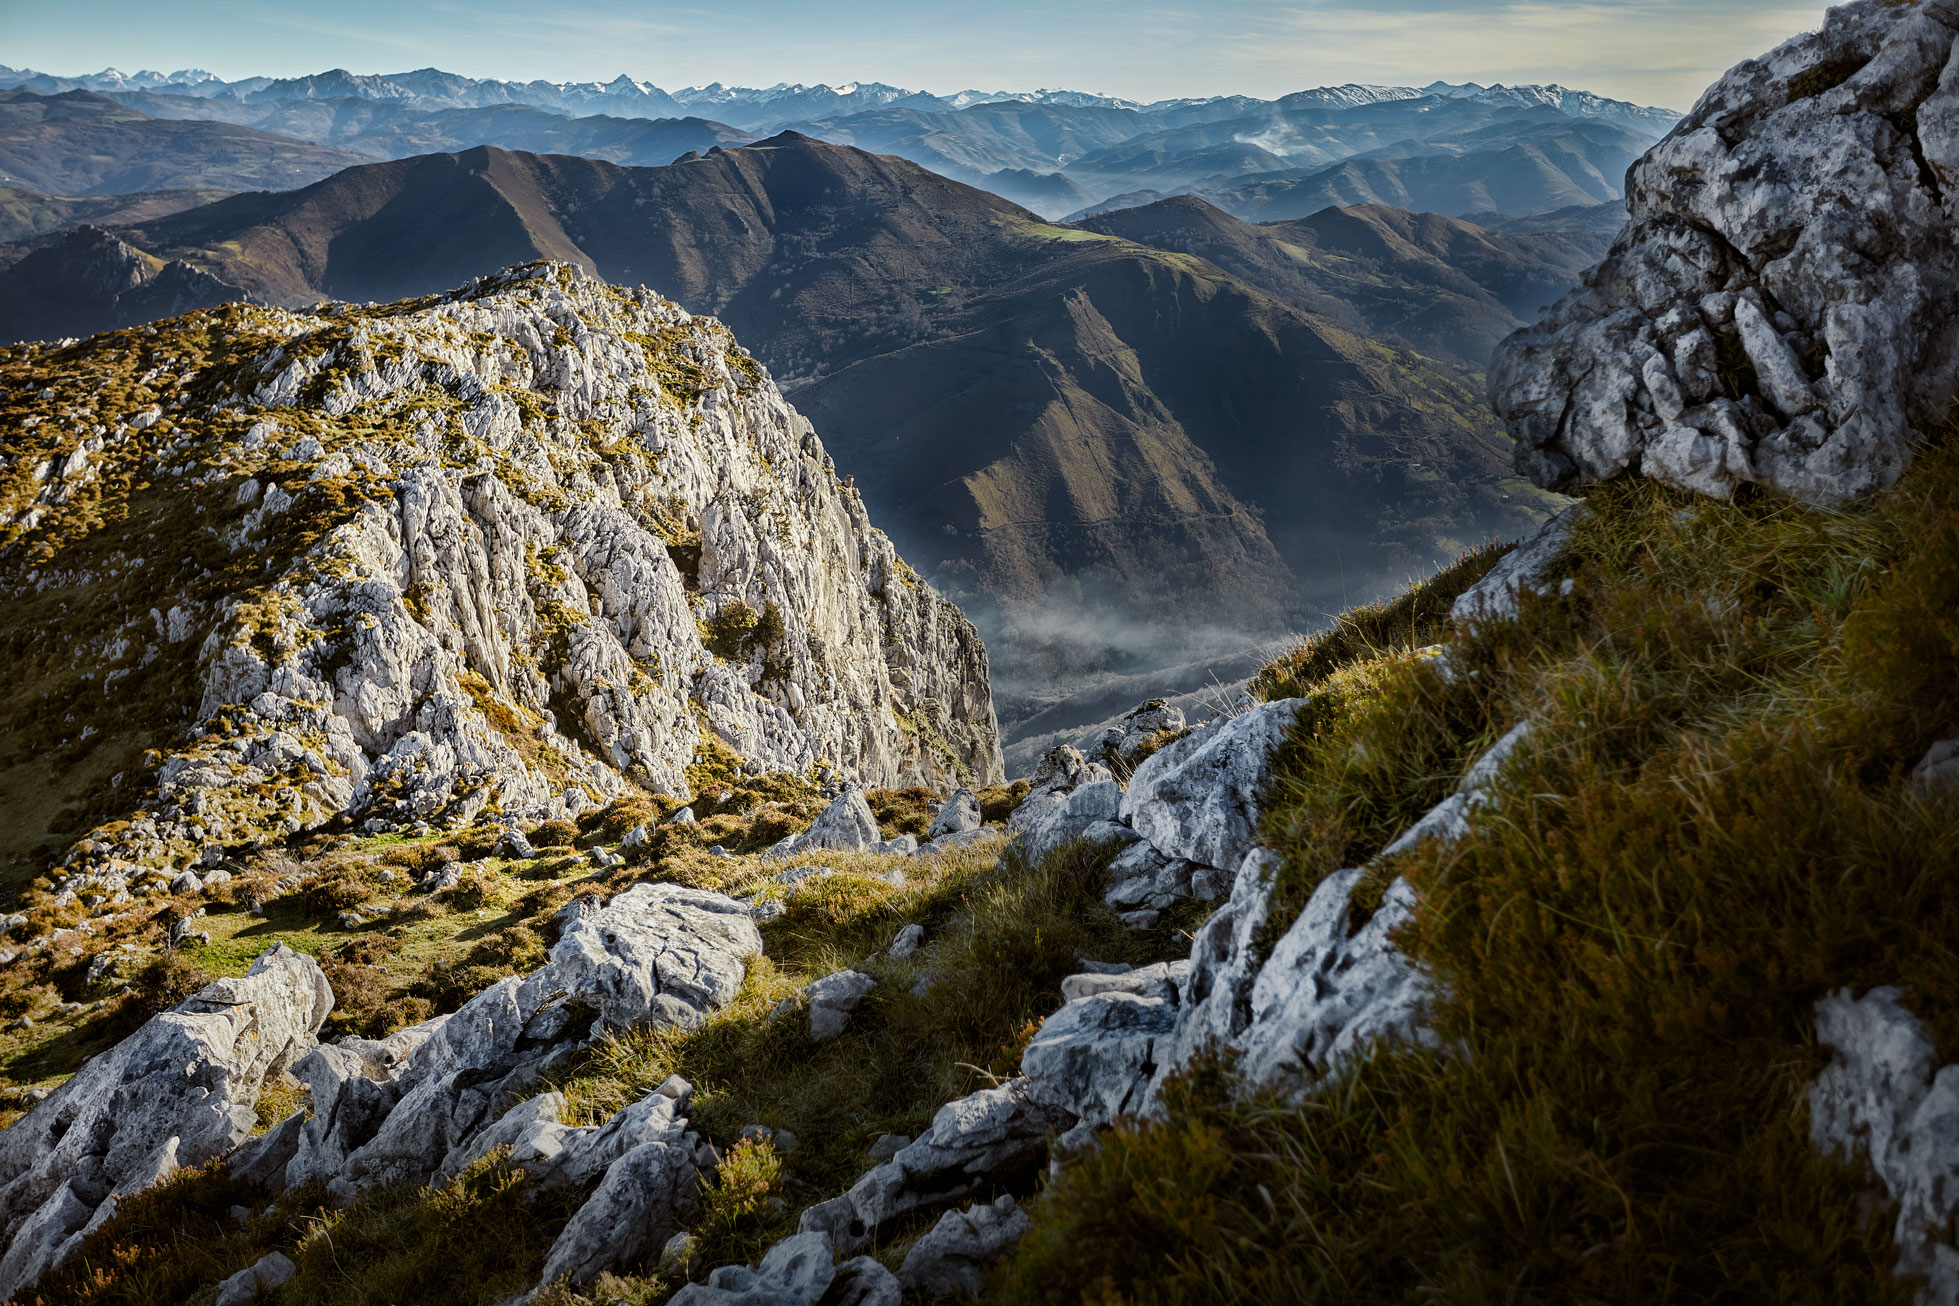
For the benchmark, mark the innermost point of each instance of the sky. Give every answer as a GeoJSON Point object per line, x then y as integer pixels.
{"type": "Point", "coordinates": [1662, 52]}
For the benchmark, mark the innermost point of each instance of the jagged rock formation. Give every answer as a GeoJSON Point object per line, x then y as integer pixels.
{"type": "Point", "coordinates": [1779, 309]}
{"type": "Point", "coordinates": [419, 1102]}
{"type": "Point", "coordinates": [1886, 1100]}
{"type": "Point", "coordinates": [178, 1092]}
{"type": "Point", "coordinates": [505, 550]}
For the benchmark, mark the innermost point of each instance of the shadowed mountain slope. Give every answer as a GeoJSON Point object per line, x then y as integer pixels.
{"type": "Point", "coordinates": [1076, 434]}
{"type": "Point", "coordinates": [79, 143]}
{"type": "Point", "coordinates": [1447, 287]}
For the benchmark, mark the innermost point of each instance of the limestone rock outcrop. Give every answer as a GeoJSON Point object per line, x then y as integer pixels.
{"type": "Point", "coordinates": [178, 1092]}
{"type": "Point", "coordinates": [499, 551]}
{"type": "Point", "coordinates": [1778, 309]}
{"type": "Point", "coordinates": [1884, 1099]}
{"type": "Point", "coordinates": [413, 1105]}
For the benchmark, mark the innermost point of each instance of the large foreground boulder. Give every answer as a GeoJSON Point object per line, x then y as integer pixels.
{"type": "Point", "coordinates": [178, 1092]}
{"type": "Point", "coordinates": [1778, 309]}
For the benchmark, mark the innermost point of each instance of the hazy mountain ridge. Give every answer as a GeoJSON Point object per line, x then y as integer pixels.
{"type": "Point", "coordinates": [1057, 151]}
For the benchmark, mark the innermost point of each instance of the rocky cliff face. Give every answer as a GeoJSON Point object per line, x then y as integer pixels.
{"type": "Point", "coordinates": [508, 550]}
{"type": "Point", "coordinates": [1779, 309]}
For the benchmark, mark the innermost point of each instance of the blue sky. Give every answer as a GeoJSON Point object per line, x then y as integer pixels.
{"type": "Point", "coordinates": [1653, 51]}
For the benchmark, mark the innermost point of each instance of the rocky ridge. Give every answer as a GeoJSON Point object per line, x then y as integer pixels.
{"type": "Point", "coordinates": [1778, 308]}
{"type": "Point", "coordinates": [502, 553]}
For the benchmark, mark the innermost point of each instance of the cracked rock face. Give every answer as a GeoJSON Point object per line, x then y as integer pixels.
{"type": "Point", "coordinates": [1885, 1099]}
{"type": "Point", "coordinates": [178, 1092]}
{"type": "Point", "coordinates": [1778, 309]}
{"type": "Point", "coordinates": [496, 551]}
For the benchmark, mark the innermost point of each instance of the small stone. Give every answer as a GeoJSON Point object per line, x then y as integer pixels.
{"type": "Point", "coordinates": [889, 1145]}
{"type": "Point", "coordinates": [256, 1280]}
{"type": "Point", "coordinates": [832, 999]}
{"type": "Point", "coordinates": [907, 942]}
{"type": "Point", "coordinates": [677, 1257]}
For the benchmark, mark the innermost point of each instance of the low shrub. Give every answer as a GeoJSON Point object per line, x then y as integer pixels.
{"type": "Point", "coordinates": [903, 811]}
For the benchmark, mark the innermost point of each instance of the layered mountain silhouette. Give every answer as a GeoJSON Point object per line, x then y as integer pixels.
{"type": "Point", "coordinates": [1447, 148]}
{"type": "Point", "coordinates": [1116, 454]}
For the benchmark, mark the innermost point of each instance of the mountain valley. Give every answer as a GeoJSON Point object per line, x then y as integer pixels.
{"type": "Point", "coordinates": [1078, 435]}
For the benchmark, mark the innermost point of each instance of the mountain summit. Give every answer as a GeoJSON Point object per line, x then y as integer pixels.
{"type": "Point", "coordinates": [507, 550]}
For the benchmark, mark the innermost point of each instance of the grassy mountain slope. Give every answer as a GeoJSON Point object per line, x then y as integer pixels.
{"type": "Point", "coordinates": [25, 214]}
{"type": "Point", "coordinates": [1712, 828]}
{"type": "Point", "coordinates": [1448, 287]}
{"type": "Point", "coordinates": [78, 143]}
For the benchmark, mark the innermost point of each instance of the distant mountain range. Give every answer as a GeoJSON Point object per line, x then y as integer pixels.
{"type": "Point", "coordinates": [1449, 148]}
{"type": "Point", "coordinates": [1122, 445]}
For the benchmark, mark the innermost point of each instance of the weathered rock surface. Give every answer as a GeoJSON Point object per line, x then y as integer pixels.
{"type": "Point", "coordinates": [798, 1271]}
{"type": "Point", "coordinates": [552, 536]}
{"type": "Point", "coordinates": [178, 1092]}
{"type": "Point", "coordinates": [256, 1280]}
{"type": "Point", "coordinates": [1096, 1058]}
{"type": "Point", "coordinates": [833, 998]}
{"type": "Point", "coordinates": [950, 1260]}
{"type": "Point", "coordinates": [1778, 309]}
{"type": "Point", "coordinates": [644, 1199]}
{"type": "Point", "coordinates": [989, 1135]}
{"type": "Point", "coordinates": [1070, 795]}
{"type": "Point", "coordinates": [1526, 569]}
{"type": "Point", "coordinates": [847, 825]}
{"type": "Point", "coordinates": [1122, 745]}
{"type": "Point", "coordinates": [1885, 1099]}
{"type": "Point", "coordinates": [405, 1107]}
{"type": "Point", "coordinates": [1197, 799]}
{"type": "Point", "coordinates": [959, 813]}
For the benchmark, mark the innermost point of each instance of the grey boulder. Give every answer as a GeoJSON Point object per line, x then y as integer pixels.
{"type": "Point", "coordinates": [847, 825]}
{"type": "Point", "coordinates": [1778, 309]}
{"type": "Point", "coordinates": [398, 1109]}
{"type": "Point", "coordinates": [1526, 569]}
{"type": "Point", "coordinates": [833, 998]}
{"type": "Point", "coordinates": [958, 814]}
{"type": "Point", "coordinates": [1885, 1100]}
{"type": "Point", "coordinates": [984, 1137]}
{"type": "Point", "coordinates": [255, 1280]}
{"type": "Point", "coordinates": [798, 1271]}
{"type": "Point", "coordinates": [646, 1197]}
{"type": "Point", "coordinates": [950, 1260]}
{"type": "Point", "coordinates": [1198, 798]}
{"type": "Point", "coordinates": [179, 1091]}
